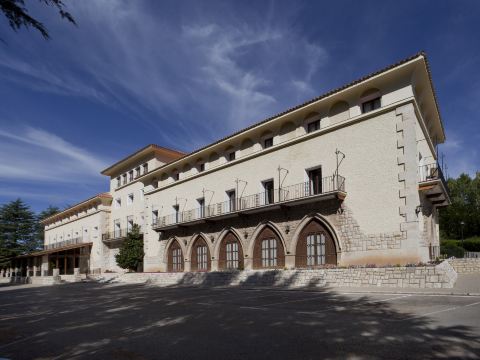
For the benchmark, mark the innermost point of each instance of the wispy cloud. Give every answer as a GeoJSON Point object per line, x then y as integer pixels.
{"type": "Point", "coordinates": [31, 154]}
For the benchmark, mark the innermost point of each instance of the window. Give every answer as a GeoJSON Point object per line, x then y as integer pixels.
{"type": "Point", "coordinates": [268, 187]}
{"type": "Point", "coordinates": [231, 156]}
{"type": "Point", "coordinates": [177, 259]}
{"type": "Point", "coordinates": [268, 143]}
{"type": "Point", "coordinates": [118, 202]}
{"type": "Point", "coordinates": [119, 182]}
{"type": "Point", "coordinates": [313, 126]}
{"type": "Point", "coordinates": [154, 217]}
{"type": "Point", "coordinates": [145, 168]}
{"type": "Point", "coordinates": [117, 228]}
{"type": "Point", "coordinates": [129, 223]}
{"type": "Point", "coordinates": [232, 255]}
{"type": "Point", "coordinates": [371, 105]}
{"type": "Point", "coordinates": [130, 175]}
{"type": "Point", "coordinates": [315, 181]}
{"type": "Point", "coordinates": [176, 176]}
{"type": "Point", "coordinates": [231, 200]}
{"type": "Point", "coordinates": [130, 199]}
{"type": "Point", "coordinates": [176, 208]}
{"type": "Point", "coordinates": [202, 261]}
{"type": "Point", "coordinates": [269, 252]}
{"type": "Point", "coordinates": [137, 172]}
{"type": "Point", "coordinates": [201, 167]}
{"type": "Point", "coordinates": [201, 204]}
{"type": "Point", "coordinates": [316, 249]}
{"type": "Point", "coordinates": [124, 179]}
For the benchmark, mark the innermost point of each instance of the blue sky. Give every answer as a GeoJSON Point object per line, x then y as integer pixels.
{"type": "Point", "coordinates": [184, 73]}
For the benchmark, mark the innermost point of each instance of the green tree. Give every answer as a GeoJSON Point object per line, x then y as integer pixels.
{"type": "Point", "coordinates": [131, 253]}
{"type": "Point", "coordinates": [465, 207]}
{"type": "Point", "coordinates": [40, 232]}
{"type": "Point", "coordinates": [17, 230]}
{"type": "Point", "coordinates": [17, 14]}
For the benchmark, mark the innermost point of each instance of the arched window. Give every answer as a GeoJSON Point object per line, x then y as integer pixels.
{"type": "Point", "coordinates": [175, 257]}
{"type": "Point", "coordinates": [231, 253]}
{"type": "Point", "coordinates": [339, 112]}
{"type": "Point", "coordinates": [266, 139]}
{"type": "Point", "coordinates": [315, 246]}
{"type": "Point", "coordinates": [268, 251]}
{"type": "Point", "coordinates": [200, 257]}
{"type": "Point", "coordinates": [312, 122]}
{"type": "Point", "coordinates": [370, 100]}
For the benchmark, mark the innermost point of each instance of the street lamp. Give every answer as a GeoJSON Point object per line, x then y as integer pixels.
{"type": "Point", "coordinates": [462, 224]}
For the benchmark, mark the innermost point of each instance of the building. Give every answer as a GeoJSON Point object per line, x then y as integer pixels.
{"type": "Point", "coordinates": [350, 177]}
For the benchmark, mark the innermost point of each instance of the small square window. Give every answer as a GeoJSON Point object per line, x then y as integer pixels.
{"type": "Point", "coordinates": [267, 143]}
{"type": "Point", "coordinates": [130, 175]}
{"type": "Point", "coordinates": [313, 126]}
{"type": "Point", "coordinates": [231, 156]}
{"type": "Point", "coordinates": [371, 105]}
{"type": "Point", "coordinates": [201, 168]}
{"type": "Point", "coordinates": [145, 168]}
{"type": "Point", "coordinates": [176, 176]}
{"type": "Point", "coordinates": [137, 172]}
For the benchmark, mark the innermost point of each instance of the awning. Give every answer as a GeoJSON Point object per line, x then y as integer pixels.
{"type": "Point", "coordinates": [51, 251]}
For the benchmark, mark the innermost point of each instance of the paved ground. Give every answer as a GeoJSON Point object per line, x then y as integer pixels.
{"type": "Point", "coordinates": [100, 321]}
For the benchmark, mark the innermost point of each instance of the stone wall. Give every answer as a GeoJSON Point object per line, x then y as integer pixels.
{"type": "Point", "coordinates": [440, 276]}
{"type": "Point", "coordinates": [465, 266]}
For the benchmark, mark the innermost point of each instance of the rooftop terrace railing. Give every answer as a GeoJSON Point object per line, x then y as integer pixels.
{"type": "Point", "coordinates": [274, 196]}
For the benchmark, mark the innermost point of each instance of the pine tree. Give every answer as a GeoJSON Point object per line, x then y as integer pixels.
{"type": "Point", "coordinates": [40, 232]}
{"type": "Point", "coordinates": [131, 253]}
{"type": "Point", "coordinates": [17, 230]}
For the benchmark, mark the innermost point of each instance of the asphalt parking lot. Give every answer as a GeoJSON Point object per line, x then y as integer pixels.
{"type": "Point", "coordinates": [101, 321]}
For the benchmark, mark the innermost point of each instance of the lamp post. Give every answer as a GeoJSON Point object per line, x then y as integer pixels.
{"type": "Point", "coordinates": [462, 224]}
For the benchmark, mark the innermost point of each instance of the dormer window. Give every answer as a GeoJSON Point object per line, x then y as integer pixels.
{"type": "Point", "coordinates": [145, 168]}
{"type": "Point", "coordinates": [130, 175]}
{"type": "Point", "coordinates": [268, 142]}
{"type": "Point", "coordinates": [371, 105]}
{"type": "Point", "coordinates": [201, 167]}
{"type": "Point", "coordinates": [231, 156]}
{"type": "Point", "coordinates": [137, 172]}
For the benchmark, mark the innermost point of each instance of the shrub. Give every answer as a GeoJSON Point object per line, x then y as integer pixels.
{"type": "Point", "coordinates": [471, 245]}
{"type": "Point", "coordinates": [452, 250]}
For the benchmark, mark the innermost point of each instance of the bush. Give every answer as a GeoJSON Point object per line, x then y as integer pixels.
{"type": "Point", "coordinates": [449, 249]}
{"type": "Point", "coordinates": [471, 245]}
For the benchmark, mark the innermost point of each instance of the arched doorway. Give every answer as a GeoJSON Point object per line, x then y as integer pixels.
{"type": "Point", "coordinates": [175, 257]}
{"type": "Point", "coordinates": [200, 257]}
{"type": "Point", "coordinates": [315, 246]}
{"type": "Point", "coordinates": [231, 253]}
{"type": "Point", "coordinates": [268, 251]}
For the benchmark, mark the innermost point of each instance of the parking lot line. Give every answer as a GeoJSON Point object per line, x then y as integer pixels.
{"type": "Point", "coordinates": [440, 311]}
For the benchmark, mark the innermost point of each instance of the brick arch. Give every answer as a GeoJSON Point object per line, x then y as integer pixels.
{"type": "Point", "coordinates": [229, 238]}
{"type": "Point", "coordinates": [194, 253]}
{"type": "Point", "coordinates": [318, 254]}
{"type": "Point", "coordinates": [172, 248]}
{"type": "Point", "coordinates": [268, 233]}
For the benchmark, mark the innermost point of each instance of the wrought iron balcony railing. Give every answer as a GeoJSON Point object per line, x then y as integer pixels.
{"type": "Point", "coordinates": [60, 244]}
{"type": "Point", "coordinates": [275, 196]}
{"type": "Point", "coordinates": [431, 172]}
{"type": "Point", "coordinates": [117, 234]}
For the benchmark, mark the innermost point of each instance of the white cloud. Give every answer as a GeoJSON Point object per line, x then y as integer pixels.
{"type": "Point", "coordinates": [31, 154]}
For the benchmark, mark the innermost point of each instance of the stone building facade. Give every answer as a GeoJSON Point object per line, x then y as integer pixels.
{"type": "Point", "coordinates": [348, 178]}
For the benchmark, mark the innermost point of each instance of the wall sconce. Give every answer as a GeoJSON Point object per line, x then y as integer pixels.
{"type": "Point", "coordinates": [245, 234]}
{"type": "Point", "coordinates": [287, 228]}
{"type": "Point", "coordinates": [212, 239]}
{"type": "Point", "coordinates": [246, 255]}
{"type": "Point", "coordinates": [213, 257]}
{"type": "Point", "coordinates": [185, 242]}
{"type": "Point", "coordinates": [418, 209]}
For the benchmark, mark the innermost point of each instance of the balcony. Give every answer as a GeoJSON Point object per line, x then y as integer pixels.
{"type": "Point", "coordinates": [117, 235]}
{"type": "Point", "coordinates": [331, 187]}
{"type": "Point", "coordinates": [66, 243]}
{"type": "Point", "coordinates": [432, 183]}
